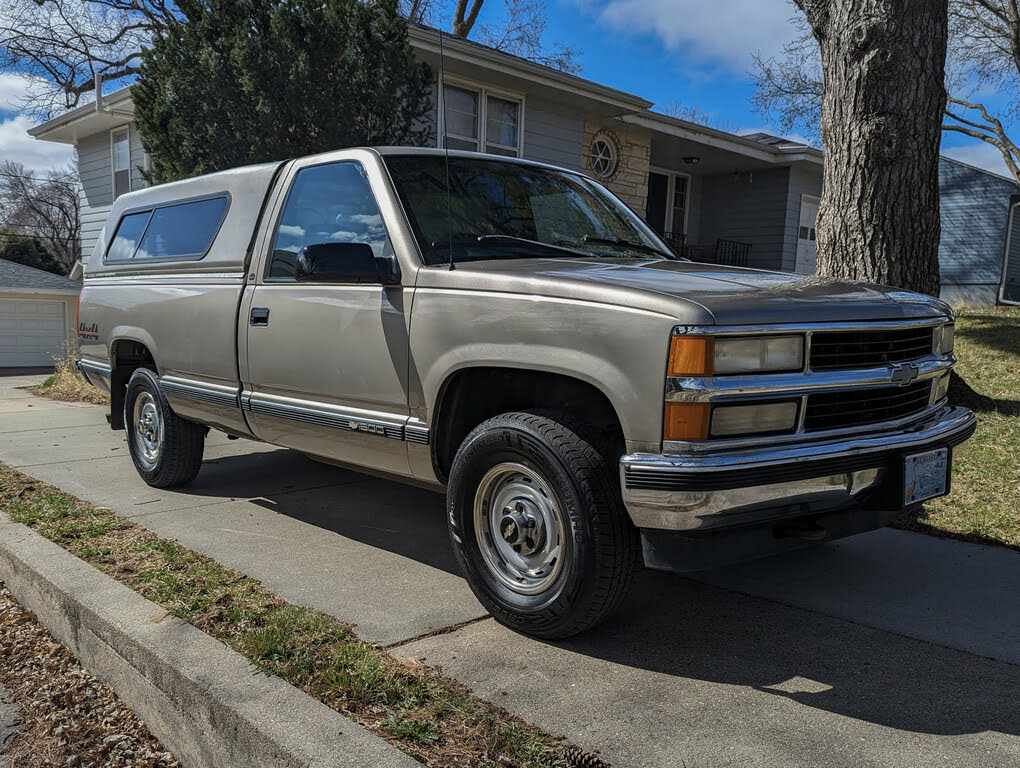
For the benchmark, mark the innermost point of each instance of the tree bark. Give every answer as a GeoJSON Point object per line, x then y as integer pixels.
{"type": "Point", "coordinates": [883, 64]}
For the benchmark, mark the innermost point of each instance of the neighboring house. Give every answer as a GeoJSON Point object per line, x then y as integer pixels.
{"type": "Point", "coordinates": [37, 314]}
{"type": "Point", "coordinates": [713, 195]}
{"type": "Point", "coordinates": [977, 217]}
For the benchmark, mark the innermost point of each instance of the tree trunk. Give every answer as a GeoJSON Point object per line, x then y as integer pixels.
{"type": "Point", "coordinates": [883, 63]}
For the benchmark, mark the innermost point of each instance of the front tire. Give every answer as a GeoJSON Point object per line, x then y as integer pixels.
{"type": "Point", "coordinates": [166, 449]}
{"type": "Point", "coordinates": [538, 526]}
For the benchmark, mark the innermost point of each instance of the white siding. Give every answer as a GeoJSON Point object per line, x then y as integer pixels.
{"type": "Point", "coordinates": [551, 135]}
{"type": "Point", "coordinates": [95, 165]}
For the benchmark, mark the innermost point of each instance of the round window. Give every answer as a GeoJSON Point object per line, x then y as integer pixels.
{"type": "Point", "coordinates": [604, 156]}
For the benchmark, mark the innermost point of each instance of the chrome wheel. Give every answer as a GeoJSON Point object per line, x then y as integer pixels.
{"type": "Point", "coordinates": [520, 528]}
{"type": "Point", "coordinates": [148, 427]}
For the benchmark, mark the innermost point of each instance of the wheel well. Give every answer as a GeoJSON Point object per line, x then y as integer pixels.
{"type": "Point", "coordinates": [125, 357]}
{"type": "Point", "coordinates": [473, 395]}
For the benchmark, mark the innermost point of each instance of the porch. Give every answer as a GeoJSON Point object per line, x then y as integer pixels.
{"type": "Point", "coordinates": [725, 199]}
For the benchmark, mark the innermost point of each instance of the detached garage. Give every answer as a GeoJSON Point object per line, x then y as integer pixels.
{"type": "Point", "coordinates": [37, 315]}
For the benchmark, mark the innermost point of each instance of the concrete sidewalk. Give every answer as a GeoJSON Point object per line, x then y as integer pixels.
{"type": "Point", "coordinates": [891, 648]}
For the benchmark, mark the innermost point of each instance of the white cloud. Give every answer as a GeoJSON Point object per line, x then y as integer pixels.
{"type": "Point", "coordinates": [14, 88]}
{"type": "Point", "coordinates": [725, 32]}
{"type": "Point", "coordinates": [17, 145]}
{"type": "Point", "coordinates": [979, 153]}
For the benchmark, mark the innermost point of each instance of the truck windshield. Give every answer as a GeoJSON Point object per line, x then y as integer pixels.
{"type": "Point", "coordinates": [504, 210]}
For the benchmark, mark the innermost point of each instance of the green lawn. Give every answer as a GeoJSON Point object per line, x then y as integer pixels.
{"type": "Point", "coordinates": [984, 505]}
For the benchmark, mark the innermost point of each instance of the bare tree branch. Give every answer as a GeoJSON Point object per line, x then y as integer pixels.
{"type": "Point", "coordinates": [984, 54]}
{"type": "Point", "coordinates": [61, 45]}
{"type": "Point", "coordinates": [462, 25]}
{"type": "Point", "coordinates": [45, 206]}
{"type": "Point", "coordinates": [519, 32]}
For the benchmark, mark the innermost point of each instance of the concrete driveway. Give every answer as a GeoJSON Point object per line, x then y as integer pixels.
{"type": "Point", "coordinates": [891, 648]}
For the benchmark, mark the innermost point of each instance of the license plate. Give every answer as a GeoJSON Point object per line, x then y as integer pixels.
{"type": "Point", "coordinates": [925, 475]}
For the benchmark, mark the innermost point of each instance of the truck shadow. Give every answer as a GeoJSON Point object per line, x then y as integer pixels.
{"type": "Point", "coordinates": [681, 628]}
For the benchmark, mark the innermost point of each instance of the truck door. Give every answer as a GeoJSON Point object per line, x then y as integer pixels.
{"type": "Point", "coordinates": [325, 363]}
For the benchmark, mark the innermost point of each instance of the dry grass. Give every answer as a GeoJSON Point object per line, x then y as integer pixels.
{"type": "Point", "coordinates": [986, 469]}
{"type": "Point", "coordinates": [69, 385]}
{"type": "Point", "coordinates": [430, 717]}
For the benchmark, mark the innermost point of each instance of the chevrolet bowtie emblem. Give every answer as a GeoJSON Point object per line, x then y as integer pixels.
{"type": "Point", "coordinates": [904, 374]}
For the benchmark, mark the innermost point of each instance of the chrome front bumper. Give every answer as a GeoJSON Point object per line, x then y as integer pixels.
{"type": "Point", "coordinates": [714, 490]}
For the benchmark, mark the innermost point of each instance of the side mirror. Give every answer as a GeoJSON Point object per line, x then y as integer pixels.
{"type": "Point", "coordinates": [345, 263]}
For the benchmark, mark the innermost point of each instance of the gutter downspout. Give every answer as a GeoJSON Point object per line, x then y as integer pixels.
{"type": "Point", "coordinates": [1005, 256]}
{"type": "Point", "coordinates": [99, 93]}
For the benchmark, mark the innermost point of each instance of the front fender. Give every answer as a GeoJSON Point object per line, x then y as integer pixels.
{"type": "Point", "coordinates": [621, 351]}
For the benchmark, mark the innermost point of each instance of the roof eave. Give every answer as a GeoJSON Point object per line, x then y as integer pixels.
{"type": "Point", "coordinates": [56, 129]}
{"type": "Point", "coordinates": [722, 139]}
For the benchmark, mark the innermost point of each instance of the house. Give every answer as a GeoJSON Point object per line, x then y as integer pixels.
{"type": "Point", "coordinates": [713, 195]}
{"type": "Point", "coordinates": [37, 315]}
{"type": "Point", "coordinates": [976, 211]}
{"type": "Point", "coordinates": [978, 226]}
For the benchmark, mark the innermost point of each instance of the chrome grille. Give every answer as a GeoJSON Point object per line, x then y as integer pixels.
{"type": "Point", "coordinates": [861, 407]}
{"type": "Point", "coordinates": [845, 350]}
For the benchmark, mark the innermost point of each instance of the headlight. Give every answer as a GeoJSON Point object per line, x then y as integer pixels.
{"type": "Point", "coordinates": [758, 354]}
{"type": "Point", "coordinates": [723, 355]}
{"type": "Point", "coordinates": [730, 420]}
{"type": "Point", "coordinates": [944, 339]}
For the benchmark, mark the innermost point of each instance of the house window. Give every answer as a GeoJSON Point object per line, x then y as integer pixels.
{"type": "Point", "coordinates": [477, 121]}
{"type": "Point", "coordinates": [121, 163]}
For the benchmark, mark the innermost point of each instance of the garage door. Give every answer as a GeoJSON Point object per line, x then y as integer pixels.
{"type": "Point", "coordinates": [31, 332]}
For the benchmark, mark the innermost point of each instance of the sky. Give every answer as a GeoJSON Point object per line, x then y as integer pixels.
{"type": "Point", "coordinates": [15, 143]}
{"type": "Point", "coordinates": [695, 51]}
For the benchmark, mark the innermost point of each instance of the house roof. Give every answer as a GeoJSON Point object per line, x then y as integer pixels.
{"type": "Point", "coordinates": [17, 278]}
{"type": "Point", "coordinates": [785, 152]}
{"type": "Point", "coordinates": [1004, 177]}
{"type": "Point", "coordinates": [112, 111]}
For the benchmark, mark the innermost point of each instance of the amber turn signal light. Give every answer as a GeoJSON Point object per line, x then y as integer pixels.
{"type": "Point", "coordinates": [690, 356]}
{"type": "Point", "coordinates": [686, 421]}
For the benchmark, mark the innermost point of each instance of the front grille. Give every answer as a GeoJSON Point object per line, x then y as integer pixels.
{"type": "Point", "coordinates": [844, 350]}
{"type": "Point", "coordinates": [860, 407]}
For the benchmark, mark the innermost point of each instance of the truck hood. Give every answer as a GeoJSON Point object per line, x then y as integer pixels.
{"type": "Point", "coordinates": [729, 295]}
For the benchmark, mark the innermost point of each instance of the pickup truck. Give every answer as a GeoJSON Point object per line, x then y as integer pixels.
{"type": "Point", "coordinates": [513, 334]}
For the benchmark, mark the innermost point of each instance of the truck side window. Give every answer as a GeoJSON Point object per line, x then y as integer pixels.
{"type": "Point", "coordinates": [329, 203]}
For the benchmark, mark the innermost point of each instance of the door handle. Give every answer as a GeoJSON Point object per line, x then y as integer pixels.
{"type": "Point", "coordinates": [259, 316]}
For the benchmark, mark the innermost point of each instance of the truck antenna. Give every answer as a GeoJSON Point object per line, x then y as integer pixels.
{"type": "Point", "coordinates": [446, 148]}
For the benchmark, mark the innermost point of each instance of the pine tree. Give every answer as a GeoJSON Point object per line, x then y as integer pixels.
{"type": "Point", "coordinates": [248, 81]}
{"type": "Point", "coordinates": [28, 250]}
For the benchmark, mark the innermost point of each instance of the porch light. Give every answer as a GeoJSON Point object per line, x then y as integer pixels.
{"type": "Point", "coordinates": [692, 160]}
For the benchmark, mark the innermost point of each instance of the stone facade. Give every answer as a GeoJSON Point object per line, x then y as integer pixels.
{"type": "Point", "coordinates": [634, 148]}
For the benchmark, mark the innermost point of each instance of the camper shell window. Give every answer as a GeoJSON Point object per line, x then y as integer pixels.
{"type": "Point", "coordinates": [178, 231]}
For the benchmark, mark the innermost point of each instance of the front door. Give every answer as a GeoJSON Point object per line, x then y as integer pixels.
{"type": "Point", "coordinates": [326, 365]}
{"type": "Point", "coordinates": [657, 207]}
{"type": "Point", "coordinates": [807, 251]}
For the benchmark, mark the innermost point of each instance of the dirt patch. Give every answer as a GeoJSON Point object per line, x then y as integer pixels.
{"type": "Point", "coordinates": [67, 717]}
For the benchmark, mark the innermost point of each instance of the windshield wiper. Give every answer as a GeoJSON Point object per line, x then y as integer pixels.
{"type": "Point", "coordinates": [626, 244]}
{"type": "Point", "coordinates": [496, 239]}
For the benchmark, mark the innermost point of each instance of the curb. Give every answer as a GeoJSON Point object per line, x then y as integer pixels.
{"type": "Point", "coordinates": [204, 701]}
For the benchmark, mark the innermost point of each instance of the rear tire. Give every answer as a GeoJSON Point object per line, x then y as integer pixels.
{"type": "Point", "coordinates": [166, 449]}
{"type": "Point", "coordinates": [538, 526]}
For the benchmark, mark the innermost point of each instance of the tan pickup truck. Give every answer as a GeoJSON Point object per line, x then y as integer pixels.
{"type": "Point", "coordinates": [587, 399]}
